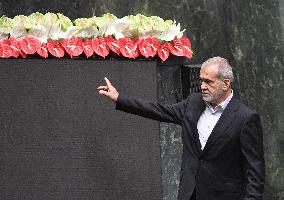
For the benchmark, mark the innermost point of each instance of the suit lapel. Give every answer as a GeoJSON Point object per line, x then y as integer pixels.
{"type": "Point", "coordinates": [224, 121]}
{"type": "Point", "coordinates": [196, 115]}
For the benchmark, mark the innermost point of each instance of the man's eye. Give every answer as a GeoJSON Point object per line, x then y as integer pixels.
{"type": "Point", "coordinates": [207, 81]}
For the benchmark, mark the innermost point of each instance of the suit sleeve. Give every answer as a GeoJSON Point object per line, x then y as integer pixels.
{"type": "Point", "coordinates": [252, 149]}
{"type": "Point", "coordinates": [153, 110]}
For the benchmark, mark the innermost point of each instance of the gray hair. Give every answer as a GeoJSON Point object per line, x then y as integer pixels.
{"type": "Point", "coordinates": [225, 70]}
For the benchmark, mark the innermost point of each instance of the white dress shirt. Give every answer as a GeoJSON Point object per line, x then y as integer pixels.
{"type": "Point", "coordinates": [208, 120]}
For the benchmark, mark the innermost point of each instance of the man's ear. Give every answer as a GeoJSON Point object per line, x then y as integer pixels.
{"type": "Point", "coordinates": [226, 84]}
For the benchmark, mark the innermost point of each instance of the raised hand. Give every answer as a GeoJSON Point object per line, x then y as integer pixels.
{"type": "Point", "coordinates": [108, 90]}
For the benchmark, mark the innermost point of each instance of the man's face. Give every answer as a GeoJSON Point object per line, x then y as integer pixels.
{"type": "Point", "coordinates": [212, 86]}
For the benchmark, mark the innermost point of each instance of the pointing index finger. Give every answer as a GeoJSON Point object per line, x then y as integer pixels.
{"type": "Point", "coordinates": [107, 81]}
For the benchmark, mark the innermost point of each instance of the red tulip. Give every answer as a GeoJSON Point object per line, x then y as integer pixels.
{"type": "Point", "coordinates": [114, 45]}
{"type": "Point", "coordinates": [72, 46]}
{"type": "Point", "coordinates": [55, 48]}
{"type": "Point", "coordinates": [164, 51]}
{"type": "Point", "coordinates": [187, 52]}
{"type": "Point", "coordinates": [148, 47]}
{"type": "Point", "coordinates": [87, 47]}
{"type": "Point", "coordinates": [176, 47]}
{"type": "Point", "coordinates": [5, 51]}
{"type": "Point", "coordinates": [30, 45]}
{"type": "Point", "coordinates": [129, 48]}
{"type": "Point", "coordinates": [100, 46]}
{"type": "Point", "coordinates": [42, 51]}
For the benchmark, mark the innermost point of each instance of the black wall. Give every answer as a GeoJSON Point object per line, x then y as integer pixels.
{"type": "Point", "coordinates": [59, 139]}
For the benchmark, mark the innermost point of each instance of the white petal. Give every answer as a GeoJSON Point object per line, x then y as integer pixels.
{"type": "Point", "coordinates": [172, 32]}
{"type": "Point", "coordinates": [121, 25]}
{"type": "Point", "coordinates": [118, 35]}
{"type": "Point", "coordinates": [39, 32]}
{"type": "Point", "coordinates": [88, 32]}
{"type": "Point", "coordinates": [72, 31]}
{"type": "Point", "coordinates": [102, 30]}
{"type": "Point", "coordinates": [18, 32]}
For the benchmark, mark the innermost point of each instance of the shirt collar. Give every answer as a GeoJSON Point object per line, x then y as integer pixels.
{"type": "Point", "coordinates": [226, 102]}
{"type": "Point", "coordinates": [222, 105]}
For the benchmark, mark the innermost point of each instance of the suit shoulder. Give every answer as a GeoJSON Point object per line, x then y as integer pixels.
{"type": "Point", "coordinates": [195, 100]}
{"type": "Point", "coordinates": [245, 111]}
{"type": "Point", "coordinates": [196, 96]}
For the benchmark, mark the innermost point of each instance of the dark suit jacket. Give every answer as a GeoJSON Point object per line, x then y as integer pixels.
{"type": "Point", "coordinates": [231, 165]}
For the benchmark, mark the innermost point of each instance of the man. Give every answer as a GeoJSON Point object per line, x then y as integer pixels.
{"type": "Point", "coordinates": [222, 138]}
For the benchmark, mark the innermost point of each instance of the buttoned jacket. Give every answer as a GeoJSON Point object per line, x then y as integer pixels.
{"type": "Point", "coordinates": [231, 165]}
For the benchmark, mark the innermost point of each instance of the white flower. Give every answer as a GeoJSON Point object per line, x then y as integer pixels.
{"type": "Point", "coordinates": [56, 33]}
{"type": "Point", "coordinates": [39, 32]}
{"type": "Point", "coordinates": [89, 32]}
{"type": "Point", "coordinates": [120, 27]}
{"type": "Point", "coordinates": [172, 32]}
{"type": "Point", "coordinates": [18, 32]}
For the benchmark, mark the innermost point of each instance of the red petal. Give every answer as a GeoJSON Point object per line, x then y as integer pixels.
{"type": "Point", "coordinates": [114, 45]}
{"type": "Point", "coordinates": [100, 46]}
{"type": "Point", "coordinates": [15, 46]}
{"type": "Point", "coordinates": [186, 45]}
{"type": "Point", "coordinates": [148, 47]}
{"type": "Point", "coordinates": [87, 47]}
{"type": "Point", "coordinates": [187, 52]}
{"type": "Point", "coordinates": [164, 51]}
{"type": "Point", "coordinates": [145, 48]}
{"type": "Point", "coordinates": [55, 48]}
{"type": "Point", "coordinates": [42, 51]}
{"type": "Point", "coordinates": [129, 48]}
{"type": "Point", "coordinates": [185, 41]}
{"type": "Point", "coordinates": [5, 51]}
{"type": "Point", "coordinates": [5, 42]}
{"type": "Point", "coordinates": [29, 45]}
{"type": "Point", "coordinates": [155, 44]}
{"type": "Point", "coordinates": [72, 46]}
{"type": "Point", "coordinates": [176, 50]}
{"type": "Point", "coordinates": [136, 41]}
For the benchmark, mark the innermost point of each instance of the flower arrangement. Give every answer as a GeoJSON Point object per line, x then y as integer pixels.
{"type": "Point", "coordinates": [56, 35]}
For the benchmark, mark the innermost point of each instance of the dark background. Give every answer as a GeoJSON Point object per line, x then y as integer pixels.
{"type": "Point", "coordinates": [60, 139]}
{"type": "Point", "coordinates": [248, 33]}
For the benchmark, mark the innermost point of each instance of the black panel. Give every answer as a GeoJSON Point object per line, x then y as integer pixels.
{"type": "Point", "coordinates": [61, 140]}
{"type": "Point", "coordinates": [190, 79]}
